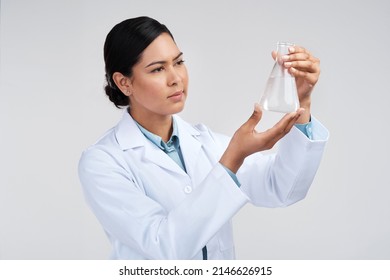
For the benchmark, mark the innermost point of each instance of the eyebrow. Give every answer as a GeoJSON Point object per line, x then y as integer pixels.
{"type": "Point", "coordinates": [163, 61]}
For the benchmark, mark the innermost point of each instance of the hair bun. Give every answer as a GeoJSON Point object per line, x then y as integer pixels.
{"type": "Point", "coordinates": [116, 96]}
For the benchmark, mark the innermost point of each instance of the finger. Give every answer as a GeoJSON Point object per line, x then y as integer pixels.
{"type": "Point", "coordinates": [279, 130]}
{"type": "Point", "coordinates": [286, 123]}
{"type": "Point", "coordinates": [276, 132]}
{"type": "Point", "coordinates": [297, 57]}
{"type": "Point", "coordinates": [307, 66]}
{"type": "Point", "coordinates": [282, 127]}
{"type": "Point", "coordinates": [274, 54]}
{"type": "Point", "coordinates": [293, 121]}
{"type": "Point", "coordinates": [298, 49]}
{"type": "Point", "coordinates": [254, 119]}
{"type": "Point", "coordinates": [311, 78]}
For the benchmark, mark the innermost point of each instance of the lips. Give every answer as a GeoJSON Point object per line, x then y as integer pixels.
{"type": "Point", "coordinates": [176, 94]}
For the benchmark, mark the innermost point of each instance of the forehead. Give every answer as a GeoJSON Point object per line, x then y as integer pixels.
{"type": "Point", "coordinates": [162, 48]}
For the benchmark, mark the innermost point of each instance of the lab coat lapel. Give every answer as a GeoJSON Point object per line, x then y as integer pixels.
{"type": "Point", "coordinates": [129, 136]}
{"type": "Point", "coordinates": [154, 154]}
{"type": "Point", "coordinates": [189, 144]}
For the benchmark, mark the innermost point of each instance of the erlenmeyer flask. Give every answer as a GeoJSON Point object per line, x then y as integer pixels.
{"type": "Point", "coordinates": [280, 94]}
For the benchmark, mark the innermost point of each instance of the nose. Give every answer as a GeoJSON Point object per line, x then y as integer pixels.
{"type": "Point", "coordinates": [174, 77]}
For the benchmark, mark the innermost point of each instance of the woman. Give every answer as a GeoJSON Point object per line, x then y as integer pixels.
{"type": "Point", "coordinates": [164, 189]}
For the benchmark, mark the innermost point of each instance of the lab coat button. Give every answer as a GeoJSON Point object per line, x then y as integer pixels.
{"type": "Point", "coordinates": [187, 189]}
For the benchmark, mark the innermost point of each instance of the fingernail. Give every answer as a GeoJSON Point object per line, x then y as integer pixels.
{"type": "Point", "coordinates": [287, 64]}
{"type": "Point", "coordinates": [291, 49]}
{"type": "Point", "coordinates": [285, 57]}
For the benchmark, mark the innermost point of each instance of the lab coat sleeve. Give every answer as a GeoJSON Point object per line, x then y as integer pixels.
{"type": "Point", "coordinates": [139, 222]}
{"type": "Point", "coordinates": [283, 178]}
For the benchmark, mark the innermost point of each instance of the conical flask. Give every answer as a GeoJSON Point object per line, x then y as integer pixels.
{"type": "Point", "coordinates": [280, 94]}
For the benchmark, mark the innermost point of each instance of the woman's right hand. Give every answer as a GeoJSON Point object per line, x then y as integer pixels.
{"type": "Point", "coordinates": [246, 140]}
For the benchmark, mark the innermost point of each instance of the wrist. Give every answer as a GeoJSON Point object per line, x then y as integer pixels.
{"type": "Point", "coordinates": [230, 162]}
{"type": "Point", "coordinates": [305, 103]}
{"type": "Point", "coordinates": [305, 117]}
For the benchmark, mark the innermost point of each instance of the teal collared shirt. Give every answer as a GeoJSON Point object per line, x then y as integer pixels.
{"type": "Point", "coordinates": [172, 147]}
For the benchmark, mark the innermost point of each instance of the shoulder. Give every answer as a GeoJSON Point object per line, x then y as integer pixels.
{"type": "Point", "coordinates": [107, 142]}
{"type": "Point", "coordinates": [113, 143]}
{"type": "Point", "coordinates": [102, 152]}
{"type": "Point", "coordinates": [106, 152]}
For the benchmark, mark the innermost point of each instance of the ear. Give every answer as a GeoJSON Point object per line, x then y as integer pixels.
{"type": "Point", "coordinates": [123, 83]}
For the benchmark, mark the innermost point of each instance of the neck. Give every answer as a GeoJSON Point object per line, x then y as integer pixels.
{"type": "Point", "coordinates": [156, 124]}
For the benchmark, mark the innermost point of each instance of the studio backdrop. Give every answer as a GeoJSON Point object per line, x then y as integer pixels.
{"type": "Point", "coordinates": [53, 106]}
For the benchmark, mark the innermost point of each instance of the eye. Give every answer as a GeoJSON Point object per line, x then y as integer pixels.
{"type": "Point", "coordinates": [159, 69]}
{"type": "Point", "coordinates": [180, 62]}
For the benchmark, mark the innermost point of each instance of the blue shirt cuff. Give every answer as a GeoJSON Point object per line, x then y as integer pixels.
{"type": "Point", "coordinates": [234, 176]}
{"type": "Point", "coordinates": [306, 129]}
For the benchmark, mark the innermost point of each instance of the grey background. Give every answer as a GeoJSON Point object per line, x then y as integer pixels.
{"type": "Point", "coordinates": [53, 106]}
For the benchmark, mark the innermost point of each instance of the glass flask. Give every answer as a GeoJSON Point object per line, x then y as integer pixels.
{"type": "Point", "coordinates": [280, 94]}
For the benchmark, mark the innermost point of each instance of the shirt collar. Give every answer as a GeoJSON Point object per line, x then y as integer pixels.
{"type": "Point", "coordinates": [173, 142]}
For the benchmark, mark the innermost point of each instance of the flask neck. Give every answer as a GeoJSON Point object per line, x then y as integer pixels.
{"type": "Point", "coordinates": [282, 49]}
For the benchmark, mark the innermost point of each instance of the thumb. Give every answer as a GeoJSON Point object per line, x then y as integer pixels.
{"type": "Point", "coordinates": [254, 118]}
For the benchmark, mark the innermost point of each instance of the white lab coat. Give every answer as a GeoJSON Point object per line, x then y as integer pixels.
{"type": "Point", "coordinates": [151, 209]}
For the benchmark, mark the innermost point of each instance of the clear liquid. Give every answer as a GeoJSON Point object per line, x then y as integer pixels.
{"type": "Point", "coordinates": [280, 95]}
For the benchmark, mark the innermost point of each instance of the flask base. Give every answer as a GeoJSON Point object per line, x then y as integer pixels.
{"type": "Point", "coordinates": [279, 109]}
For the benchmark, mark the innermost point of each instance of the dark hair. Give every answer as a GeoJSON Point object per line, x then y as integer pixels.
{"type": "Point", "coordinates": [123, 49]}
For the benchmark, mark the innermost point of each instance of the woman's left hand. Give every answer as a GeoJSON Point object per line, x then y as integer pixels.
{"type": "Point", "coordinates": [306, 70]}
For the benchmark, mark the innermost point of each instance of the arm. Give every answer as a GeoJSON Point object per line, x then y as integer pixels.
{"type": "Point", "coordinates": [284, 178]}
{"type": "Point", "coordinates": [281, 179]}
{"type": "Point", "coordinates": [246, 140]}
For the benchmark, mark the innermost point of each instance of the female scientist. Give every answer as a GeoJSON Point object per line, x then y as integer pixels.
{"type": "Point", "coordinates": [165, 189]}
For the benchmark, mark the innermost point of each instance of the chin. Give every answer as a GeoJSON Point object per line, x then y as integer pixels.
{"type": "Point", "coordinates": [178, 110]}
{"type": "Point", "coordinates": [177, 107]}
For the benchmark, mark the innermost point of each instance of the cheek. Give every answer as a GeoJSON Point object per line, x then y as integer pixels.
{"type": "Point", "coordinates": [148, 89]}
